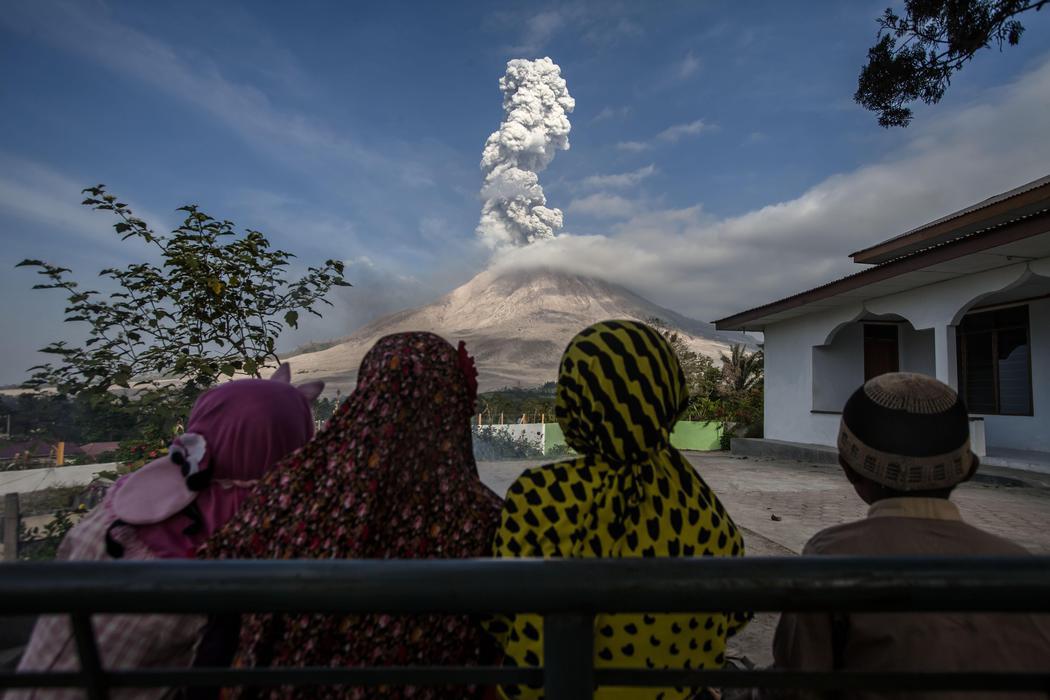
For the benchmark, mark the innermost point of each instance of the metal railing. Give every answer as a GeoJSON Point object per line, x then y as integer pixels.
{"type": "Point", "coordinates": [567, 593]}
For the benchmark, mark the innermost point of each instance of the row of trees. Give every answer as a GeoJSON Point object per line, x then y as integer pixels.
{"type": "Point", "coordinates": [512, 403]}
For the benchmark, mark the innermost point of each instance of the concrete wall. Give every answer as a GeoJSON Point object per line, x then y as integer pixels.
{"type": "Point", "coordinates": [1029, 432]}
{"type": "Point", "coordinates": [917, 352]}
{"type": "Point", "coordinates": [696, 435]}
{"type": "Point", "coordinates": [552, 437]}
{"type": "Point", "coordinates": [839, 367]}
{"type": "Point", "coordinates": [687, 435]}
{"type": "Point", "coordinates": [789, 361]}
{"type": "Point", "coordinates": [29, 480]}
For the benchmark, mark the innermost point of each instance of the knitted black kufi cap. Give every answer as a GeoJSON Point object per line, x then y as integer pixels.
{"type": "Point", "coordinates": [908, 432]}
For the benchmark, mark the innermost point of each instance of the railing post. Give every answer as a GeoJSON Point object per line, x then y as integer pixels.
{"type": "Point", "coordinates": [11, 517]}
{"type": "Point", "coordinates": [568, 656]}
{"type": "Point", "coordinates": [91, 671]}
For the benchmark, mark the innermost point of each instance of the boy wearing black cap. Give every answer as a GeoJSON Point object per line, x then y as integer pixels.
{"type": "Point", "coordinates": [904, 444]}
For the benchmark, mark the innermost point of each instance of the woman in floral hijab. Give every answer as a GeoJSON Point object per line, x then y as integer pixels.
{"type": "Point", "coordinates": [391, 476]}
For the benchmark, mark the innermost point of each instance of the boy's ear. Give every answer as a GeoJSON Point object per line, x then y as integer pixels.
{"type": "Point", "coordinates": [853, 476]}
{"type": "Point", "coordinates": [283, 374]}
{"type": "Point", "coordinates": [976, 463]}
{"type": "Point", "coordinates": [311, 390]}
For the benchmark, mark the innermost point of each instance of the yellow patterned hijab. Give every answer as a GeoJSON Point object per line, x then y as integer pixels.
{"type": "Point", "coordinates": [629, 494]}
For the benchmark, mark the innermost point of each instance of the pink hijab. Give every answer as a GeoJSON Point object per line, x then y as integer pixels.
{"type": "Point", "coordinates": [236, 433]}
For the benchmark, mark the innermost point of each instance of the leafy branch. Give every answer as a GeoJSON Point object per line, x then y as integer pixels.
{"type": "Point", "coordinates": [917, 52]}
{"type": "Point", "coordinates": [213, 305]}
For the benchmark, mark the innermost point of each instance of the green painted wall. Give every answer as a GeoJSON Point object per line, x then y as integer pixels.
{"type": "Point", "coordinates": [694, 435]}
{"type": "Point", "coordinates": [552, 435]}
{"type": "Point", "coordinates": [687, 435]}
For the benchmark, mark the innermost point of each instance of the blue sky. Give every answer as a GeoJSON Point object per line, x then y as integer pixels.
{"type": "Point", "coordinates": [716, 162]}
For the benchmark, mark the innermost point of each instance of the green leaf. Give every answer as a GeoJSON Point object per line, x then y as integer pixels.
{"type": "Point", "coordinates": [292, 319]}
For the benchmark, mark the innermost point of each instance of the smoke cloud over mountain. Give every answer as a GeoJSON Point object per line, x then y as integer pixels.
{"type": "Point", "coordinates": [537, 103]}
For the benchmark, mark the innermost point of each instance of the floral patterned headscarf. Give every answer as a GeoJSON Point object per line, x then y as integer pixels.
{"type": "Point", "coordinates": [391, 476]}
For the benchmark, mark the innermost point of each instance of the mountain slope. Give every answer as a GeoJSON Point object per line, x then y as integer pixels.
{"type": "Point", "coordinates": [516, 324]}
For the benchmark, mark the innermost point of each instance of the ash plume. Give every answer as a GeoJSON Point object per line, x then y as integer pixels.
{"type": "Point", "coordinates": [536, 125]}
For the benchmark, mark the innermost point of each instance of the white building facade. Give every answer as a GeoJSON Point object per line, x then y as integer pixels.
{"type": "Point", "coordinates": [965, 298]}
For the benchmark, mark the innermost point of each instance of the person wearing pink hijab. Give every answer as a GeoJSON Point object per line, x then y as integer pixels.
{"type": "Point", "coordinates": [236, 433]}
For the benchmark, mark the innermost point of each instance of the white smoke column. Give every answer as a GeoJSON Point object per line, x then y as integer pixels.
{"type": "Point", "coordinates": [536, 126]}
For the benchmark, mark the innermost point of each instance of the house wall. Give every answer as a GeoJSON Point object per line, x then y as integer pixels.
{"type": "Point", "coordinates": [1029, 432]}
{"type": "Point", "coordinates": [917, 351]}
{"type": "Point", "coordinates": [789, 362]}
{"type": "Point", "coordinates": [798, 348]}
{"type": "Point", "coordinates": [840, 364]}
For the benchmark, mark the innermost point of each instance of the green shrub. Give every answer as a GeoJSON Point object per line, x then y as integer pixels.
{"type": "Point", "coordinates": [41, 543]}
{"type": "Point", "coordinates": [491, 443]}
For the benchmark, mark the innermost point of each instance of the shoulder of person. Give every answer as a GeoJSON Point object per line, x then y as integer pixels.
{"type": "Point", "coordinates": [838, 539]}
{"type": "Point", "coordinates": [990, 543]}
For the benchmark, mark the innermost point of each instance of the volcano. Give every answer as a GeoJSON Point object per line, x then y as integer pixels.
{"type": "Point", "coordinates": [515, 323]}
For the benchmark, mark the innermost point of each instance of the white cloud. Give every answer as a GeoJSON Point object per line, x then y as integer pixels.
{"type": "Point", "coordinates": [687, 66]}
{"type": "Point", "coordinates": [632, 146]}
{"type": "Point", "coordinates": [599, 23]}
{"type": "Point", "coordinates": [378, 290]}
{"type": "Point", "coordinates": [539, 29]}
{"type": "Point", "coordinates": [709, 268]}
{"type": "Point", "coordinates": [612, 31]}
{"type": "Point", "coordinates": [671, 134]}
{"type": "Point", "coordinates": [676, 132]}
{"type": "Point", "coordinates": [36, 194]}
{"type": "Point", "coordinates": [602, 205]}
{"type": "Point", "coordinates": [618, 180]}
{"type": "Point", "coordinates": [612, 113]}
{"type": "Point", "coordinates": [292, 137]}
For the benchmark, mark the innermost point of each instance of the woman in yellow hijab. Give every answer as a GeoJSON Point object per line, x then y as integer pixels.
{"type": "Point", "coordinates": [628, 494]}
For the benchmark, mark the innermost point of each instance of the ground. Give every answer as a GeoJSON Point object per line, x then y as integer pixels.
{"type": "Point", "coordinates": [780, 505]}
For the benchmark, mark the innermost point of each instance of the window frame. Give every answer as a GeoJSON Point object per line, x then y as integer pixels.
{"type": "Point", "coordinates": [961, 352]}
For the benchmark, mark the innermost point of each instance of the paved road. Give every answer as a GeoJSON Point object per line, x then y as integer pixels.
{"type": "Point", "coordinates": [807, 498]}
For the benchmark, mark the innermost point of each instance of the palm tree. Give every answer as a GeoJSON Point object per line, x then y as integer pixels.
{"type": "Point", "coordinates": [741, 370]}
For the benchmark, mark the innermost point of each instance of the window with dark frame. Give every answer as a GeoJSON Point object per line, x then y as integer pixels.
{"type": "Point", "coordinates": [881, 349]}
{"type": "Point", "coordinates": [995, 367]}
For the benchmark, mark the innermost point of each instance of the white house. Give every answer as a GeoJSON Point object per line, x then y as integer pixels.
{"type": "Point", "coordinates": [965, 298]}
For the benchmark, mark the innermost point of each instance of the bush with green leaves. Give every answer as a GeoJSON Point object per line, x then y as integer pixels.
{"type": "Point", "coordinates": [41, 543]}
{"type": "Point", "coordinates": [493, 443]}
{"type": "Point", "coordinates": [212, 304]}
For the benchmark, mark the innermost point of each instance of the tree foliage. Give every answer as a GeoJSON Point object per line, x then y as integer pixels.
{"type": "Point", "coordinates": [513, 403]}
{"type": "Point", "coordinates": [731, 394]}
{"type": "Point", "coordinates": [212, 306]}
{"type": "Point", "coordinates": [702, 378]}
{"type": "Point", "coordinates": [742, 370]}
{"type": "Point", "coordinates": [917, 52]}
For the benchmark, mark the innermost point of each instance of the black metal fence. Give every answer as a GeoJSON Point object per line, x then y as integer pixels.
{"type": "Point", "coordinates": [568, 593]}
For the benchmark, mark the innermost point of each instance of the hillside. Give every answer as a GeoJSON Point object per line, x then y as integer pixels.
{"type": "Point", "coordinates": [516, 324]}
